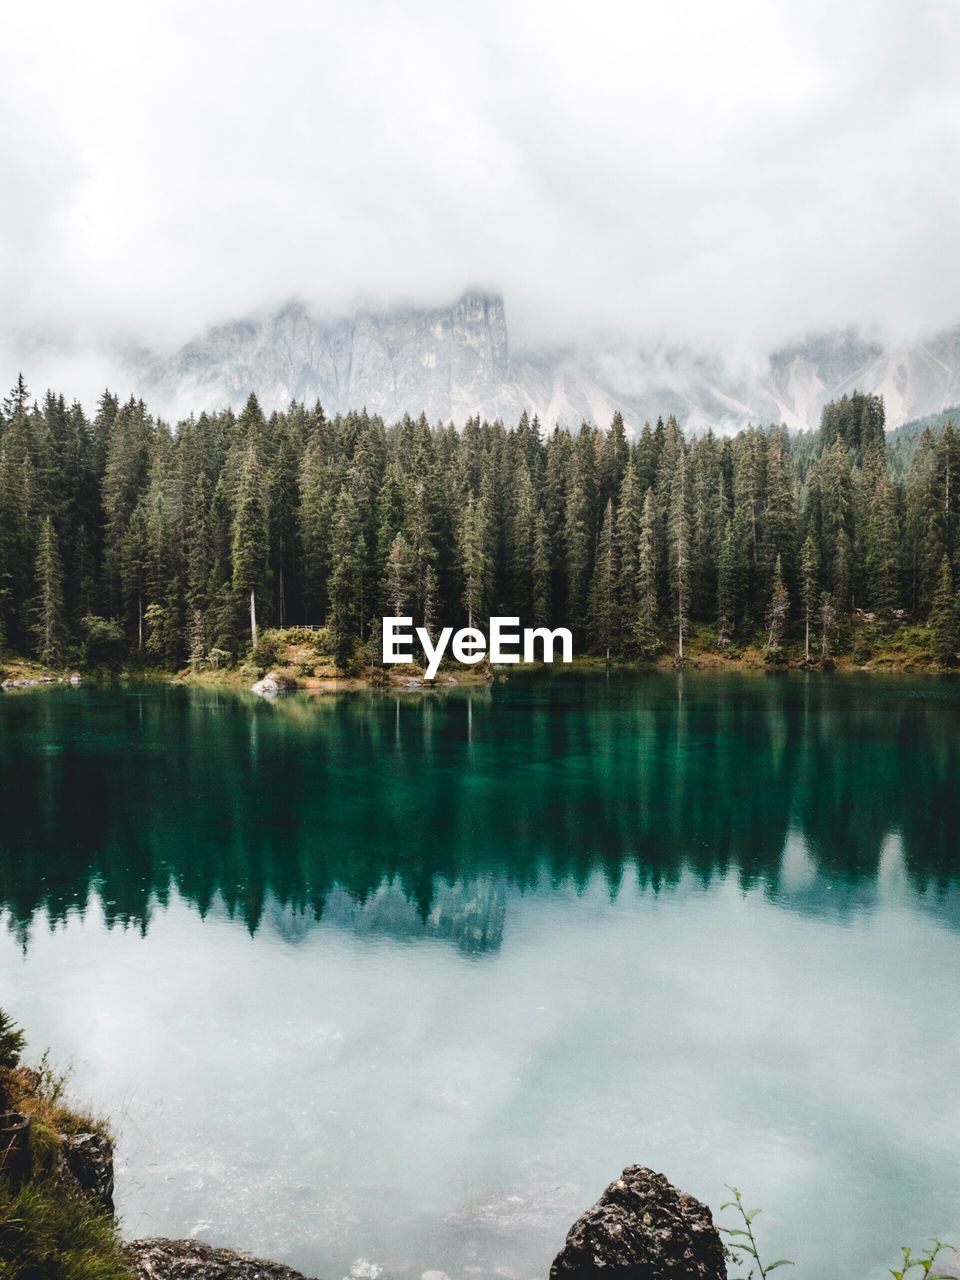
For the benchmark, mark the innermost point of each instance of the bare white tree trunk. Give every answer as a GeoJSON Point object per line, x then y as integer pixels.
{"type": "Point", "coordinates": [253, 617]}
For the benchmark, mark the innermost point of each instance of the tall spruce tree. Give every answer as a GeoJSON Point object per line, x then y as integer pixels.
{"type": "Point", "coordinates": [809, 588]}
{"type": "Point", "coordinates": [778, 614]}
{"type": "Point", "coordinates": [645, 630]}
{"type": "Point", "coordinates": [49, 625]}
{"type": "Point", "coordinates": [603, 588]}
{"type": "Point", "coordinates": [944, 623]}
{"type": "Point", "coordinates": [399, 576]}
{"type": "Point", "coordinates": [678, 536]}
{"type": "Point", "coordinates": [251, 530]}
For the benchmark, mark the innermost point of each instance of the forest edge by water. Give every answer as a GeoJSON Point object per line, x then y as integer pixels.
{"type": "Point", "coordinates": [127, 544]}
{"type": "Point", "coordinates": [296, 660]}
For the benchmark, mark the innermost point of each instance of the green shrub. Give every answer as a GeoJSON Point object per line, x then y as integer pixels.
{"type": "Point", "coordinates": [265, 654]}
{"type": "Point", "coordinates": [306, 636]}
{"type": "Point", "coordinates": [12, 1041]}
{"type": "Point", "coordinates": [103, 644]}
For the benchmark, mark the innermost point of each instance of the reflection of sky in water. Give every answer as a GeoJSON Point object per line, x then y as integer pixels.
{"type": "Point", "coordinates": [412, 979]}
{"type": "Point", "coordinates": [369, 1087]}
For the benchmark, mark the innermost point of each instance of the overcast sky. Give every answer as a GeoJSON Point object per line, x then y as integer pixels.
{"type": "Point", "coordinates": [732, 173]}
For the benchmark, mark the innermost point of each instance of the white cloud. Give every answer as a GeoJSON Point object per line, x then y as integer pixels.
{"type": "Point", "coordinates": [732, 174]}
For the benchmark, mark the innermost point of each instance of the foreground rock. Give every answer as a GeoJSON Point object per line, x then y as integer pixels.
{"type": "Point", "coordinates": [192, 1260]}
{"type": "Point", "coordinates": [89, 1158]}
{"type": "Point", "coordinates": [642, 1228]}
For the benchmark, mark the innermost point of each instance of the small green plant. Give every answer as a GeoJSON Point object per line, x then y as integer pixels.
{"type": "Point", "coordinates": [743, 1241]}
{"type": "Point", "coordinates": [12, 1041]}
{"type": "Point", "coordinates": [925, 1262]}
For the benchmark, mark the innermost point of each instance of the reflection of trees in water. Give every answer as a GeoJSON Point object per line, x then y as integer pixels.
{"type": "Point", "coordinates": [469, 913]}
{"type": "Point", "coordinates": [392, 806]}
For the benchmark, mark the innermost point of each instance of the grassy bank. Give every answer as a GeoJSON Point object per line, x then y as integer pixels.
{"type": "Point", "coordinates": [298, 659]}
{"type": "Point", "coordinates": [49, 1226]}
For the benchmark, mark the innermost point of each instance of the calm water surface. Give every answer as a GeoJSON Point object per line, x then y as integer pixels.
{"type": "Point", "coordinates": [408, 980]}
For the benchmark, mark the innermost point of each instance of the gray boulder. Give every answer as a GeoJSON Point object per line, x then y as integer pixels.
{"type": "Point", "coordinates": [642, 1228]}
{"type": "Point", "coordinates": [193, 1260]}
{"type": "Point", "coordinates": [268, 687]}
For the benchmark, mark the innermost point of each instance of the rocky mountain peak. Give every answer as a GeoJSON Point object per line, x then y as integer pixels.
{"type": "Point", "coordinates": [452, 362]}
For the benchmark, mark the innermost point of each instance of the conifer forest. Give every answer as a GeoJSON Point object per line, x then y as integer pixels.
{"type": "Point", "coordinates": [124, 540]}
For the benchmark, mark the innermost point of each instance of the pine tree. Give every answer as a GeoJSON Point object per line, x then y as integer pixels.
{"type": "Point", "coordinates": [250, 543]}
{"type": "Point", "coordinates": [399, 577]}
{"type": "Point", "coordinates": [48, 621]}
{"type": "Point", "coordinates": [603, 588]}
{"type": "Point", "coordinates": [579, 531]}
{"type": "Point", "coordinates": [475, 560]}
{"type": "Point", "coordinates": [347, 598]}
{"type": "Point", "coordinates": [882, 543]}
{"type": "Point", "coordinates": [134, 561]}
{"type": "Point", "coordinates": [779, 534]}
{"type": "Point", "coordinates": [809, 588]}
{"type": "Point", "coordinates": [778, 613]}
{"type": "Point", "coordinates": [629, 517]}
{"type": "Point", "coordinates": [124, 481]}
{"type": "Point", "coordinates": [197, 640]}
{"type": "Point", "coordinates": [944, 621]}
{"type": "Point", "coordinates": [522, 537]}
{"type": "Point", "coordinates": [541, 570]}
{"type": "Point", "coordinates": [828, 625]}
{"type": "Point", "coordinates": [645, 626]}
{"type": "Point", "coordinates": [679, 548]}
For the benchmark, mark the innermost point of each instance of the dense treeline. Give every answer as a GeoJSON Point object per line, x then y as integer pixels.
{"type": "Point", "coordinates": [121, 538]}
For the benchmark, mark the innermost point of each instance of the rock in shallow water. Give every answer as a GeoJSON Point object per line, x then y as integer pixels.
{"type": "Point", "coordinates": [192, 1260]}
{"type": "Point", "coordinates": [268, 687]}
{"type": "Point", "coordinates": [642, 1228]}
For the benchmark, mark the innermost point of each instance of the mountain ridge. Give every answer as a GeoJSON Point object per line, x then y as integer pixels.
{"type": "Point", "coordinates": [455, 362]}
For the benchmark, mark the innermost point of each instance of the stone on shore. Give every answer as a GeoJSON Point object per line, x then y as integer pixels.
{"type": "Point", "coordinates": [642, 1228]}
{"type": "Point", "coordinates": [193, 1260]}
{"type": "Point", "coordinates": [268, 687]}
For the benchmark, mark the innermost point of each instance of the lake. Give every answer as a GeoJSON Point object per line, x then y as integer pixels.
{"type": "Point", "coordinates": [403, 982]}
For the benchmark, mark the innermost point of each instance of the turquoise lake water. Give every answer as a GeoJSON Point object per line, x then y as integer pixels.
{"type": "Point", "coordinates": [403, 982]}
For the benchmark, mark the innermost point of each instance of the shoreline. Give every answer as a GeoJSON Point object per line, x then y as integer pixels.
{"type": "Point", "coordinates": [23, 673]}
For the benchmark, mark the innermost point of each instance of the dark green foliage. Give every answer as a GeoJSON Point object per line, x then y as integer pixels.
{"type": "Point", "coordinates": [102, 641]}
{"type": "Point", "coordinates": [944, 622]}
{"type": "Point", "coordinates": [647, 609]}
{"type": "Point", "coordinates": [809, 587]}
{"type": "Point", "coordinates": [12, 1042]}
{"type": "Point", "coordinates": [604, 614]}
{"type": "Point", "coordinates": [139, 543]}
{"type": "Point", "coordinates": [857, 420]}
{"type": "Point", "coordinates": [778, 614]}
{"type": "Point", "coordinates": [49, 626]}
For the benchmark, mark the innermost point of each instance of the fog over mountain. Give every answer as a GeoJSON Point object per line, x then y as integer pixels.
{"type": "Point", "coordinates": [457, 361]}
{"type": "Point", "coordinates": [664, 195]}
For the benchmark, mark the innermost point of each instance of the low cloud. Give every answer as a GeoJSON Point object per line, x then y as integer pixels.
{"type": "Point", "coordinates": [728, 175]}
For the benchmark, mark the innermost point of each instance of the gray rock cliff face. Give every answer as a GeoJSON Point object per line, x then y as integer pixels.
{"type": "Point", "coordinates": [448, 362]}
{"type": "Point", "coordinates": [455, 362]}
